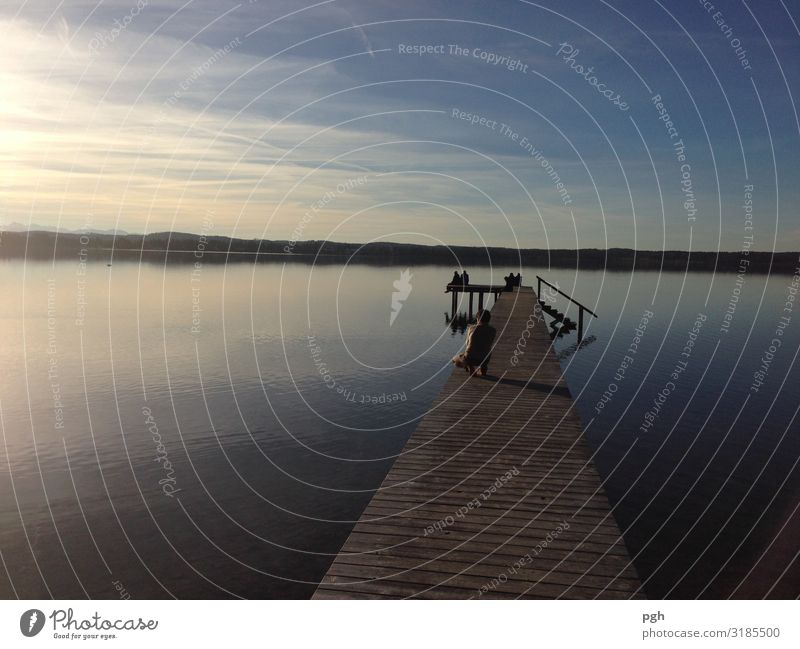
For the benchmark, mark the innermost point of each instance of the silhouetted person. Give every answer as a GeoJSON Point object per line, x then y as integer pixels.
{"type": "Point", "coordinates": [518, 280]}
{"type": "Point", "coordinates": [509, 281]}
{"type": "Point", "coordinates": [465, 277]}
{"type": "Point", "coordinates": [456, 278]}
{"type": "Point", "coordinates": [478, 349]}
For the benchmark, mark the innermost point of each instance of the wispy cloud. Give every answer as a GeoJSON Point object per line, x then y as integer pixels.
{"type": "Point", "coordinates": [179, 110]}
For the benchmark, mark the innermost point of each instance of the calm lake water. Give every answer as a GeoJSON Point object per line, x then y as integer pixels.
{"type": "Point", "coordinates": [214, 432]}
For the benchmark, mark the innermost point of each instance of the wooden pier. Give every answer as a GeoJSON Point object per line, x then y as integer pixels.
{"type": "Point", "coordinates": [495, 494]}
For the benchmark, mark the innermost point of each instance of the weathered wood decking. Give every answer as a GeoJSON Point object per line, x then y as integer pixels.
{"type": "Point", "coordinates": [436, 527]}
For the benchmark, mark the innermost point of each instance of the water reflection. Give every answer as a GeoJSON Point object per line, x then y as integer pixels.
{"type": "Point", "coordinates": [459, 322]}
{"type": "Point", "coordinates": [280, 394]}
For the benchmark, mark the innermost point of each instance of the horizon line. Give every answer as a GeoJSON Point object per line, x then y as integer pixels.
{"type": "Point", "coordinates": [294, 242]}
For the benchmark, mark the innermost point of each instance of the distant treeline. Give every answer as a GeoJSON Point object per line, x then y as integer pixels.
{"type": "Point", "coordinates": [187, 248]}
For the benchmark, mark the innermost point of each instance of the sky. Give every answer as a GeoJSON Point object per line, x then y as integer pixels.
{"type": "Point", "coordinates": [586, 124]}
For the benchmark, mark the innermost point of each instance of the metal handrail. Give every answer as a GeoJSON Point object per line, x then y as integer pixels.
{"type": "Point", "coordinates": [581, 308]}
{"type": "Point", "coordinates": [560, 292]}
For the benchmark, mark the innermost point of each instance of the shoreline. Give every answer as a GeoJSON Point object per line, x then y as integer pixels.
{"type": "Point", "coordinates": [185, 248]}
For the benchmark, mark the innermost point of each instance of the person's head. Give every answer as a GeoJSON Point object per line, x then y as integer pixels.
{"type": "Point", "coordinates": [484, 316]}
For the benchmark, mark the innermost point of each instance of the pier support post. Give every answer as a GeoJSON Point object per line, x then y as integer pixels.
{"type": "Point", "coordinates": [470, 303]}
{"type": "Point", "coordinates": [480, 301]}
{"type": "Point", "coordinates": [454, 305]}
{"type": "Point", "coordinates": [580, 325]}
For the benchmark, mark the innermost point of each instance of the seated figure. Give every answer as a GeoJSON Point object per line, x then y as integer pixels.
{"type": "Point", "coordinates": [478, 349]}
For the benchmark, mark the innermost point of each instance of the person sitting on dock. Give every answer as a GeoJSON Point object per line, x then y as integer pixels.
{"type": "Point", "coordinates": [518, 280]}
{"type": "Point", "coordinates": [456, 278]}
{"type": "Point", "coordinates": [478, 350]}
{"type": "Point", "coordinates": [465, 277]}
{"type": "Point", "coordinates": [509, 281]}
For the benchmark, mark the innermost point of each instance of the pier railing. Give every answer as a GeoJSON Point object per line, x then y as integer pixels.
{"type": "Point", "coordinates": [581, 307]}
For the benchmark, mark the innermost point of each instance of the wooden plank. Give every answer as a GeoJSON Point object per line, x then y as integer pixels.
{"type": "Point", "coordinates": [499, 559]}
{"type": "Point", "coordinates": [495, 494]}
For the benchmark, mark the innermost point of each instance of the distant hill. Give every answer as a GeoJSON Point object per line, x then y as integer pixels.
{"type": "Point", "coordinates": [35, 227]}
{"type": "Point", "coordinates": [180, 247]}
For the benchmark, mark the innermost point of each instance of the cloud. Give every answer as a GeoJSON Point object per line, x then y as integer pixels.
{"type": "Point", "coordinates": [147, 144]}
{"type": "Point", "coordinates": [179, 110]}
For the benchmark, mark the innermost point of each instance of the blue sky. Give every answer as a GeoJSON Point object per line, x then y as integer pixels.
{"type": "Point", "coordinates": [312, 120]}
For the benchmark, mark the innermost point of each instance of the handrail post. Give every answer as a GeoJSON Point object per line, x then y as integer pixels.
{"type": "Point", "coordinates": [538, 287]}
{"type": "Point", "coordinates": [580, 325]}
